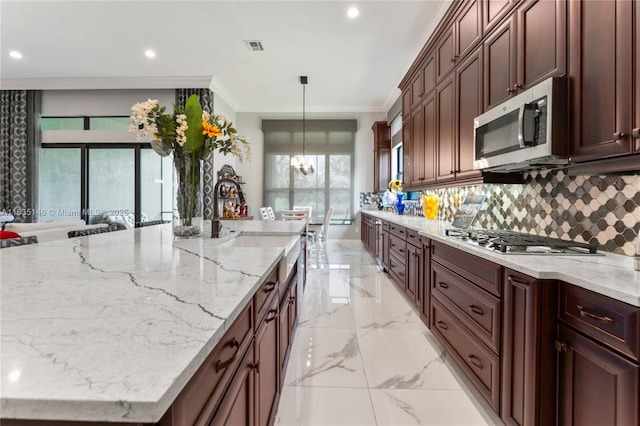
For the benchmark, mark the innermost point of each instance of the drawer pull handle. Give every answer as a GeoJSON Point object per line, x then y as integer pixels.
{"type": "Point", "coordinates": [515, 280]}
{"type": "Point", "coordinates": [442, 325]}
{"type": "Point", "coordinates": [587, 314]}
{"type": "Point", "coordinates": [221, 365]}
{"type": "Point", "coordinates": [476, 310]}
{"type": "Point", "coordinates": [273, 313]}
{"type": "Point", "coordinates": [401, 274]}
{"type": "Point", "coordinates": [292, 300]}
{"type": "Point", "coordinates": [268, 287]}
{"type": "Point", "coordinates": [256, 366]}
{"type": "Point", "coordinates": [475, 361]}
{"type": "Point", "coordinates": [393, 245]}
{"type": "Point", "coordinates": [443, 285]}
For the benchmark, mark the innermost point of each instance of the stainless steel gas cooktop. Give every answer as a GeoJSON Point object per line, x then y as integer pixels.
{"type": "Point", "coordinates": [511, 242]}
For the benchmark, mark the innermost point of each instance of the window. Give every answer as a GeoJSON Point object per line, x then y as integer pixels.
{"type": "Point", "coordinates": [80, 181]}
{"type": "Point", "coordinates": [330, 146]}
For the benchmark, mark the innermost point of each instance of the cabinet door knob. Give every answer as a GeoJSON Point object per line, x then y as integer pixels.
{"type": "Point", "coordinates": [619, 135]}
{"type": "Point", "coordinates": [475, 361]}
{"type": "Point", "coordinates": [510, 90]}
{"type": "Point", "coordinates": [442, 325]}
{"type": "Point", "coordinates": [636, 132]}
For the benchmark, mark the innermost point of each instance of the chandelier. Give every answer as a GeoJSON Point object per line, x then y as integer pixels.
{"type": "Point", "coordinates": [298, 163]}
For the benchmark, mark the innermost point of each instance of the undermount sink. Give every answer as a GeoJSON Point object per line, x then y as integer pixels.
{"type": "Point", "coordinates": [291, 244]}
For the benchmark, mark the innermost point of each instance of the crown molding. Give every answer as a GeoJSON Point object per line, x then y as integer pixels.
{"type": "Point", "coordinates": [88, 83]}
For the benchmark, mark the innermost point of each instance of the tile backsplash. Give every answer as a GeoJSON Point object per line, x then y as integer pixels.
{"type": "Point", "coordinates": [605, 209]}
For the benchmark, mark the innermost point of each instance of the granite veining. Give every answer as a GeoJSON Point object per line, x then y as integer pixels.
{"type": "Point", "coordinates": [111, 327]}
{"type": "Point", "coordinates": [608, 274]}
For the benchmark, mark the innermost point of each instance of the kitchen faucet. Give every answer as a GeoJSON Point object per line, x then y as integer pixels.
{"type": "Point", "coordinates": [216, 225]}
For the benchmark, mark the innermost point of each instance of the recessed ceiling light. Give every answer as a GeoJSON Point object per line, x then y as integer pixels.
{"type": "Point", "coordinates": [15, 54]}
{"type": "Point", "coordinates": [149, 53]}
{"type": "Point", "coordinates": [353, 12]}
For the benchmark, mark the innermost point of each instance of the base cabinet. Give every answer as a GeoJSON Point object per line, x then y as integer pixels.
{"type": "Point", "coordinates": [236, 408]}
{"type": "Point", "coordinates": [596, 385]}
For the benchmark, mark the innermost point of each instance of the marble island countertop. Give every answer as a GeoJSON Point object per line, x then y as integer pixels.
{"type": "Point", "coordinates": [111, 327]}
{"type": "Point", "coordinates": [608, 274]}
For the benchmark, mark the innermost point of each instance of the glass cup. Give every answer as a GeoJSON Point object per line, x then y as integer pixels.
{"type": "Point", "coordinates": [430, 203]}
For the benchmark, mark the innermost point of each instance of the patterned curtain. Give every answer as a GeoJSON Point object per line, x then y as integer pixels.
{"type": "Point", "coordinates": [206, 99]}
{"type": "Point", "coordinates": [17, 152]}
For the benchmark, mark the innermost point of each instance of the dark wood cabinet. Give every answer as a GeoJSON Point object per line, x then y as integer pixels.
{"type": "Point", "coordinates": [381, 155]}
{"type": "Point", "coordinates": [499, 64]}
{"type": "Point", "coordinates": [414, 266]}
{"type": "Point", "coordinates": [237, 406]}
{"type": "Point", "coordinates": [529, 47]}
{"type": "Point", "coordinates": [445, 52]}
{"type": "Point", "coordinates": [267, 365]}
{"type": "Point", "coordinates": [636, 78]}
{"type": "Point", "coordinates": [596, 385]}
{"type": "Point", "coordinates": [445, 115]}
{"type": "Point", "coordinates": [528, 356]}
{"type": "Point", "coordinates": [468, 29]}
{"type": "Point", "coordinates": [601, 65]}
{"type": "Point", "coordinates": [425, 282]}
{"type": "Point", "coordinates": [417, 170]}
{"type": "Point", "coordinates": [468, 102]}
{"type": "Point", "coordinates": [494, 11]}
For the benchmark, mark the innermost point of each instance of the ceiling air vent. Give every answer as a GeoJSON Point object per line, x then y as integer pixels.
{"type": "Point", "coordinates": [254, 45]}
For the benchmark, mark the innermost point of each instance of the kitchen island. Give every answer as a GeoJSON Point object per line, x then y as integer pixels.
{"type": "Point", "coordinates": [111, 327]}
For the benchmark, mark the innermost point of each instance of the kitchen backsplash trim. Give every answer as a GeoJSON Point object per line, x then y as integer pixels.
{"type": "Point", "coordinates": [551, 203]}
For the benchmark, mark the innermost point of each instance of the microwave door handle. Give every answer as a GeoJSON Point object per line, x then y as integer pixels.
{"type": "Point", "coordinates": [521, 139]}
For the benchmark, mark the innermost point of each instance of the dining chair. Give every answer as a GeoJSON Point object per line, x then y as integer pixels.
{"type": "Point", "coordinates": [271, 214]}
{"type": "Point", "coordinates": [305, 208]}
{"type": "Point", "coordinates": [325, 226]}
{"type": "Point", "coordinates": [264, 214]}
{"type": "Point", "coordinates": [21, 241]}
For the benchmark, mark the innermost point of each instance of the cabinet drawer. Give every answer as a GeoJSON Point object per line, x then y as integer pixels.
{"type": "Point", "coordinates": [201, 395]}
{"type": "Point", "coordinates": [610, 321]}
{"type": "Point", "coordinates": [385, 225]}
{"type": "Point", "coordinates": [397, 269]}
{"type": "Point", "coordinates": [397, 246]}
{"type": "Point", "coordinates": [397, 230]}
{"type": "Point", "coordinates": [483, 273]}
{"type": "Point", "coordinates": [474, 307]}
{"type": "Point", "coordinates": [481, 365]}
{"type": "Point", "coordinates": [264, 293]}
{"type": "Point", "coordinates": [413, 237]}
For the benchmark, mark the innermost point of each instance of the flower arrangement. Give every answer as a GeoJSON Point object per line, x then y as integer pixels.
{"type": "Point", "coordinates": [188, 132]}
{"type": "Point", "coordinates": [395, 186]}
{"type": "Point", "coordinates": [191, 135]}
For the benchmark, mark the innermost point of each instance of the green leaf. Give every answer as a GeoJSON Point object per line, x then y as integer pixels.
{"type": "Point", "coordinates": [193, 111]}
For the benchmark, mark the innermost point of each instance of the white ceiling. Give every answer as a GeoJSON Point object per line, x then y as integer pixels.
{"type": "Point", "coordinates": [352, 65]}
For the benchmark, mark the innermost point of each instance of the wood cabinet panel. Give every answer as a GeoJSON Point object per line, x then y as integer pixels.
{"type": "Point", "coordinates": [542, 39]}
{"type": "Point", "coordinates": [381, 155]}
{"type": "Point", "coordinates": [596, 386]}
{"type": "Point", "coordinates": [636, 79]}
{"type": "Point", "coordinates": [528, 357]}
{"type": "Point", "coordinates": [600, 45]}
{"type": "Point", "coordinates": [397, 270]}
{"type": "Point", "coordinates": [612, 322]}
{"type": "Point", "coordinates": [413, 263]}
{"type": "Point", "coordinates": [263, 295]}
{"type": "Point", "coordinates": [417, 148]}
{"type": "Point", "coordinates": [475, 308]}
{"type": "Point", "coordinates": [428, 75]}
{"type": "Point", "coordinates": [397, 246]}
{"type": "Point", "coordinates": [237, 406]}
{"type": "Point", "coordinates": [481, 365]}
{"type": "Point", "coordinates": [500, 64]}
{"type": "Point", "coordinates": [445, 53]}
{"type": "Point", "coordinates": [481, 272]}
{"type": "Point", "coordinates": [469, 106]}
{"type": "Point", "coordinates": [445, 116]}
{"type": "Point", "coordinates": [430, 140]}
{"type": "Point", "coordinates": [468, 28]}
{"type": "Point", "coordinates": [425, 282]}
{"type": "Point", "coordinates": [267, 378]}
{"type": "Point", "coordinates": [494, 11]}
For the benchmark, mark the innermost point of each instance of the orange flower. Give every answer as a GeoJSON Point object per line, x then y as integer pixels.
{"type": "Point", "coordinates": [210, 130]}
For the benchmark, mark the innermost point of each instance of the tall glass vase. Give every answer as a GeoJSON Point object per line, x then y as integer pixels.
{"type": "Point", "coordinates": [187, 197]}
{"type": "Point", "coordinates": [400, 204]}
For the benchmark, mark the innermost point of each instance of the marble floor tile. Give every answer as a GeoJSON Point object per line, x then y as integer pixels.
{"type": "Point", "coordinates": [325, 357]}
{"type": "Point", "coordinates": [404, 359]}
{"type": "Point", "coordinates": [324, 406]}
{"type": "Point", "coordinates": [362, 356]}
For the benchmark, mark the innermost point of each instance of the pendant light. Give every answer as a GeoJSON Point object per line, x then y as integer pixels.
{"type": "Point", "coordinates": [298, 164]}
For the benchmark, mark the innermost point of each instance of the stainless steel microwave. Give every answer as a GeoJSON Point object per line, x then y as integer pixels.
{"type": "Point", "coordinates": [526, 132]}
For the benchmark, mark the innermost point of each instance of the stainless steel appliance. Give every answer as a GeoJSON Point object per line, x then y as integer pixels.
{"type": "Point", "coordinates": [511, 242]}
{"type": "Point", "coordinates": [525, 132]}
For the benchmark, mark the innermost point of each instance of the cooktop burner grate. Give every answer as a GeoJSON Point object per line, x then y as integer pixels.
{"type": "Point", "coordinates": [518, 242]}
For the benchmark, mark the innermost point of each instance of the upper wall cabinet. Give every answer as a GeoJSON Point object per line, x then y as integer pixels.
{"type": "Point", "coordinates": [526, 49]}
{"type": "Point", "coordinates": [420, 85]}
{"type": "Point", "coordinates": [462, 35]}
{"type": "Point", "coordinates": [602, 65]}
{"type": "Point", "coordinates": [381, 155]}
{"type": "Point", "coordinates": [494, 11]}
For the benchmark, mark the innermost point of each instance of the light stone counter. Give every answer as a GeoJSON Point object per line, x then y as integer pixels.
{"type": "Point", "coordinates": [608, 274]}
{"type": "Point", "coordinates": [111, 327]}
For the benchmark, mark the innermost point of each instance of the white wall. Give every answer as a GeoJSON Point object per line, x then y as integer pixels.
{"type": "Point", "coordinates": [250, 125]}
